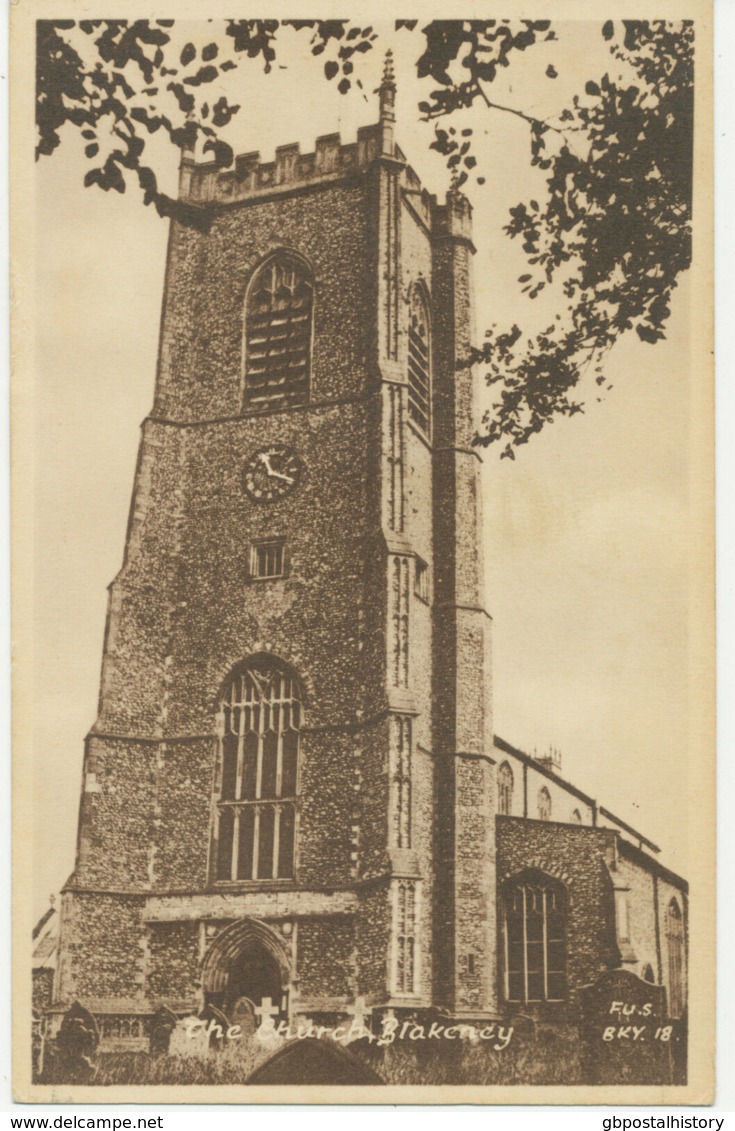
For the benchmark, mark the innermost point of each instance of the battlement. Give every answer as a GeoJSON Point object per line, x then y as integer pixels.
{"type": "Point", "coordinates": [331, 160]}
{"type": "Point", "coordinates": [202, 182]}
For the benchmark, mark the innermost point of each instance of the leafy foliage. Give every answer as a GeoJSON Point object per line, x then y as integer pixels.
{"type": "Point", "coordinates": [611, 234]}
{"type": "Point", "coordinates": [614, 228]}
{"type": "Point", "coordinates": [124, 81]}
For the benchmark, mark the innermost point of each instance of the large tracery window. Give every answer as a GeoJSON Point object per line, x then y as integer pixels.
{"type": "Point", "coordinates": [534, 937]}
{"type": "Point", "coordinates": [278, 318]}
{"type": "Point", "coordinates": [261, 718]}
{"type": "Point", "coordinates": [505, 790]}
{"type": "Point", "coordinates": [419, 363]}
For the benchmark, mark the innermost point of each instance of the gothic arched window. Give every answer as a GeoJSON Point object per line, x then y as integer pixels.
{"type": "Point", "coordinates": [675, 940]}
{"type": "Point", "coordinates": [278, 319]}
{"type": "Point", "coordinates": [260, 720]}
{"type": "Point", "coordinates": [419, 363]}
{"type": "Point", "coordinates": [544, 804]}
{"type": "Point", "coordinates": [505, 790]}
{"type": "Point", "coordinates": [647, 974]}
{"type": "Point", "coordinates": [576, 817]}
{"type": "Point", "coordinates": [534, 938]}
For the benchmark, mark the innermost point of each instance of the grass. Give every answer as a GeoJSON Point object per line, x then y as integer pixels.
{"type": "Point", "coordinates": [552, 1057]}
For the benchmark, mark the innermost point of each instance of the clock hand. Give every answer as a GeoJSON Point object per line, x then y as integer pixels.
{"type": "Point", "coordinates": [271, 472]}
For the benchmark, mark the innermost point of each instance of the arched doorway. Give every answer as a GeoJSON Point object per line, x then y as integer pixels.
{"type": "Point", "coordinates": [246, 971]}
{"type": "Point", "coordinates": [254, 977]}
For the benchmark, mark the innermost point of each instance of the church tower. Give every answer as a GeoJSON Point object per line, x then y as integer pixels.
{"type": "Point", "coordinates": [288, 791]}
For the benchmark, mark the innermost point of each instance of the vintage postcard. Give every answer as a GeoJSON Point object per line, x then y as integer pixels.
{"type": "Point", "coordinates": [363, 554]}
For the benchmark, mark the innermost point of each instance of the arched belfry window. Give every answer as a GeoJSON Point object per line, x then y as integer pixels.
{"type": "Point", "coordinates": [278, 322]}
{"type": "Point", "coordinates": [505, 790]}
{"type": "Point", "coordinates": [260, 721]}
{"type": "Point", "coordinates": [534, 909]}
{"type": "Point", "coordinates": [419, 362]}
{"type": "Point", "coordinates": [675, 941]}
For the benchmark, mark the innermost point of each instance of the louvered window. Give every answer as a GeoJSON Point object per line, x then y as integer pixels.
{"type": "Point", "coordinates": [267, 560]}
{"type": "Point", "coordinates": [278, 336]}
{"type": "Point", "coordinates": [419, 364]}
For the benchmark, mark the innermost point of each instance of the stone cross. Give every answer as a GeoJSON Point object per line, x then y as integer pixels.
{"type": "Point", "coordinates": [360, 1016]}
{"type": "Point", "coordinates": [266, 1032]}
{"type": "Point", "coordinates": [267, 1012]}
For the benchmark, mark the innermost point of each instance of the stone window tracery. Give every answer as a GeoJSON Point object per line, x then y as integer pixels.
{"type": "Point", "coordinates": [278, 331]}
{"type": "Point", "coordinates": [675, 940]}
{"type": "Point", "coordinates": [505, 790]}
{"type": "Point", "coordinates": [261, 717]}
{"type": "Point", "coordinates": [405, 938]}
{"type": "Point", "coordinates": [544, 804]}
{"type": "Point", "coordinates": [534, 912]}
{"type": "Point", "coordinates": [402, 783]}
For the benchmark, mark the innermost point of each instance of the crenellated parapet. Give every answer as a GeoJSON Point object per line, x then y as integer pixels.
{"type": "Point", "coordinates": [453, 220]}
{"type": "Point", "coordinates": [250, 178]}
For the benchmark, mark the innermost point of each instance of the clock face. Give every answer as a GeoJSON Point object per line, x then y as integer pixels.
{"type": "Point", "coordinates": [271, 473]}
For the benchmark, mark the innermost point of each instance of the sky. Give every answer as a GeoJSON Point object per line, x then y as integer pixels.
{"type": "Point", "coordinates": [587, 531]}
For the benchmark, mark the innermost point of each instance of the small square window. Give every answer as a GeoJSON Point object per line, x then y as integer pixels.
{"type": "Point", "coordinates": [268, 560]}
{"type": "Point", "coordinates": [421, 581]}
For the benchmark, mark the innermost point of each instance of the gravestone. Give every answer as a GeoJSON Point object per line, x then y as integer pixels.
{"type": "Point", "coordinates": [312, 1061]}
{"type": "Point", "coordinates": [625, 1033]}
{"type": "Point", "coordinates": [163, 1024]}
{"type": "Point", "coordinates": [242, 1014]}
{"type": "Point", "coordinates": [76, 1044]}
{"type": "Point", "coordinates": [216, 1025]}
{"type": "Point", "coordinates": [188, 1041]}
{"type": "Point", "coordinates": [267, 1013]}
{"type": "Point", "coordinates": [524, 1029]}
{"type": "Point", "coordinates": [359, 1016]}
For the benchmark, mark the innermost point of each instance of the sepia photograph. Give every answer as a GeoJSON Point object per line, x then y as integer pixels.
{"type": "Point", "coordinates": [363, 556]}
